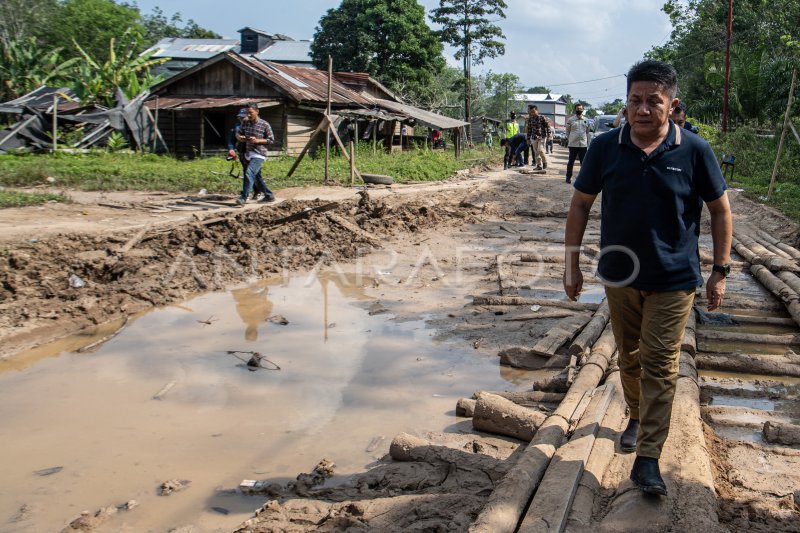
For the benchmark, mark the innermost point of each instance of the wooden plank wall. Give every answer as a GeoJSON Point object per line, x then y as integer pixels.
{"type": "Point", "coordinates": [221, 79]}
{"type": "Point", "coordinates": [300, 124]}
{"type": "Point", "coordinates": [181, 130]}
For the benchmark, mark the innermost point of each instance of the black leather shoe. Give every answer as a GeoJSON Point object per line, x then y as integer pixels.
{"type": "Point", "coordinates": [627, 442]}
{"type": "Point", "coordinates": [646, 475]}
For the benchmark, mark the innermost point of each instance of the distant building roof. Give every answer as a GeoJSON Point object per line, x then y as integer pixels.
{"type": "Point", "coordinates": [287, 52]}
{"type": "Point", "coordinates": [191, 48]}
{"type": "Point", "coordinates": [538, 97]}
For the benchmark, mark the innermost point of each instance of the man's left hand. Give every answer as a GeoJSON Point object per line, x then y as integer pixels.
{"type": "Point", "coordinates": [715, 290]}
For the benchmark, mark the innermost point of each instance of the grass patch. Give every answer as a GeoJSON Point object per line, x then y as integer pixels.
{"type": "Point", "coordinates": [755, 158]}
{"type": "Point", "coordinates": [22, 199]}
{"type": "Point", "coordinates": [98, 171]}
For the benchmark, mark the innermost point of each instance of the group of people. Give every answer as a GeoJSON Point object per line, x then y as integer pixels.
{"type": "Point", "coordinates": [248, 140]}
{"type": "Point", "coordinates": [538, 134]}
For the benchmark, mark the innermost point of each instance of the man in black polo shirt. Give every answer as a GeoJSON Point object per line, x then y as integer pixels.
{"type": "Point", "coordinates": [654, 178]}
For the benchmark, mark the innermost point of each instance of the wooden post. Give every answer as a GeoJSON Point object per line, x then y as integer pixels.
{"type": "Point", "coordinates": [155, 128]}
{"type": "Point", "coordinates": [202, 133]}
{"type": "Point", "coordinates": [786, 121]}
{"type": "Point", "coordinates": [375, 137]}
{"type": "Point", "coordinates": [457, 142]}
{"type": "Point", "coordinates": [328, 114]}
{"type": "Point", "coordinates": [55, 122]}
{"type": "Point", "coordinates": [352, 164]}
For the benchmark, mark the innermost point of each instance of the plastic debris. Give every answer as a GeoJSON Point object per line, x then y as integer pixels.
{"type": "Point", "coordinates": [76, 282]}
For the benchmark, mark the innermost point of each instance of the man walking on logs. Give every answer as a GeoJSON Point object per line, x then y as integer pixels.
{"type": "Point", "coordinates": [654, 181]}
{"type": "Point", "coordinates": [257, 134]}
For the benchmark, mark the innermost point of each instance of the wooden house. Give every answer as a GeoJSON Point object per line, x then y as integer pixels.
{"type": "Point", "coordinates": [196, 109]}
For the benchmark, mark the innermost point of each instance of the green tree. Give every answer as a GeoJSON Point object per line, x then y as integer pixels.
{"type": "Point", "coordinates": [24, 67]}
{"type": "Point", "coordinates": [97, 80]}
{"type": "Point", "coordinates": [612, 108]}
{"type": "Point", "coordinates": [157, 26]}
{"type": "Point", "coordinates": [468, 26]}
{"type": "Point", "coordinates": [765, 46]}
{"type": "Point", "coordinates": [502, 88]}
{"type": "Point", "coordinates": [389, 39]}
{"type": "Point", "coordinates": [90, 25]}
{"type": "Point", "coordinates": [22, 19]}
{"type": "Point", "coordinates": [538, 89]}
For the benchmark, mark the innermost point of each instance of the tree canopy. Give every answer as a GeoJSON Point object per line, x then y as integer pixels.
{"type": "Point", "coordinates": [765, 48]}
{"type": "Point", "coordinates": [468, 26]}
{"type": "Point", "coordinates": [389, 39]}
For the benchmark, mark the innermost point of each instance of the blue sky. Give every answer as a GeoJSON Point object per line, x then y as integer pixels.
{"type": "Point", "coordinates": [548, 43]}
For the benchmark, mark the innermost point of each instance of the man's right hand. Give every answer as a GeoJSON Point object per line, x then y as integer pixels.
{"type": "Point", "coordinates": [573, 282]}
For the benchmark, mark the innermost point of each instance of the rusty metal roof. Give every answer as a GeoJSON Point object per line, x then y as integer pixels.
{"type": "Point", "coordinates": [189, 102]}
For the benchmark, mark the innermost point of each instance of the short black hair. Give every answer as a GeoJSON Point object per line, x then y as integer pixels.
{"type": "Point", "coordinates": [659, 72]}
{"type": "Point", "coordinates": [503, 142]}
{"type": "Point", "coordinates": [252, 105]}
{"type": "Point", "coordinates": [531, 106]}
{"type": "Point", "coordinates": [512, 114]}
{"type": "Point", "coordinates": [681, 107]}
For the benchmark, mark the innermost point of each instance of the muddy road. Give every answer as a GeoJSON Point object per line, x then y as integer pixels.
{"type": "Point", "coordinates": [381, 311]}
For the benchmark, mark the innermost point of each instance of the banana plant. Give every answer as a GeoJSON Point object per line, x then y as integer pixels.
{"type": "Point", "coordinates": [24, 67]}
{"type": "Point", "coordinates": [124, 68]}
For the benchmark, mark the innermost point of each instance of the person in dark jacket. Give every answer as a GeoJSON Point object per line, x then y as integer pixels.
{"type": "Point", "coordinates": [514, 147]}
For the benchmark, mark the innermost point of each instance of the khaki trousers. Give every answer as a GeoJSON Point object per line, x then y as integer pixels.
{"type": "Point", "coordinates": [539, 156]}
{"type": "Point", "coordinates": [648, 327]}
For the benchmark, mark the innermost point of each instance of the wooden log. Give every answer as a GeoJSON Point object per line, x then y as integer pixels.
{"type": "Point", "coordinates": [791, 280]}
{"type": "Point", "coordinates": [757, 338]}
{"type": "Point", "coordinates": [770, 365]}
{"type": "Point", "coordinates": [686, 468]}
{"type": "Point", "coordinates": [544, 302]}
{"type": "Point", "coordinates": [763, 320]}
{"type": "Point", "coordinates": [550, 508]}
{"type": "Point", "coordinates": [465, 407]}
{"type": "Point", "coordinates": [527, 398]}
{"type": "Point", "coordinates": [518, 357]}
{"type": "Point", "coordinates": [554, 383]}
{"type": "Point", "coordinates": [689, 343]}
{"type": "Point", "coordinates": [603, 452]}
{"type": "Point", "coordinates": [761, 256]}
{"type": "Point", "coordinates": [511, 495]}
{"type": "Point", "coordinates": [785, 434]}
{"type": "Point", "coordinates": [592, 331]}
{"type": "Point", "coordinates": [539, 316]}
{"type": "Point", "coordinates": [779, 289]}
{"type": "Point", "coordinates": [495, 414]}
{"type": "Point", "coordinates": [406, 448]}
{"type": "Point", "coordinates": [572, 369]}
{"type": "Point", "coordinates": [743, 303]}
{"type": "Point", "coordinates": [564, 330]}
{"type": "Point", "coordinates": [791, 251]}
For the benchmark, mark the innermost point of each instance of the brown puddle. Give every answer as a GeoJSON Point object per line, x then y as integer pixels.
{"type": "Point", "coordinates": [346, 377]}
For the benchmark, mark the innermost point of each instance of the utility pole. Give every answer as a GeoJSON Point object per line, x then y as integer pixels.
{"type": "Point", "coordinates": [727, 69]}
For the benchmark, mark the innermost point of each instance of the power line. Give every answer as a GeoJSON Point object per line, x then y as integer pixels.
{"type": "Point", "coordinates": [584, 81]}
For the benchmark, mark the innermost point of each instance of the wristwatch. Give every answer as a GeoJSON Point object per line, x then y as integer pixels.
{"type": "Point", "coordinates": [725, 269]}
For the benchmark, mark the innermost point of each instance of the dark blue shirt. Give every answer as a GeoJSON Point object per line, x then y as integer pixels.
{"type": "Point", "coordinates": [651, 206]}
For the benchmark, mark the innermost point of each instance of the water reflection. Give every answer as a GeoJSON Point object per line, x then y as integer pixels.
{"type": "Point", "coordinates": [253, 307]}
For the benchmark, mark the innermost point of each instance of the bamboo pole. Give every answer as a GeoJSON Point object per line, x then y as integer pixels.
{"type": "Point", "coordinates": [769, 365]}
{"type": "Point", "coordinates": [55, 122]}
{"type": "Point", "coordinates": [352, 164]}
{"type": "Point", "coordinates": [328, 114]}
{"type": "Point", "coordinates": [544, 302]}
{"type": "Point", "coordinates": [757, 338]}
{"type": "Point", "coordinates": [779, 289]}
{"type": "Point", "coordinates": [786, 118]}
{"type": "Point", "coordinates": [512, 493]}
{"type": "Point", "coordinates": [791, 280]}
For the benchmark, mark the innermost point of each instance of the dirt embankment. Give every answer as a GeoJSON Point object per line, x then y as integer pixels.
{"type": "Point", "coordinates": [61, 284]}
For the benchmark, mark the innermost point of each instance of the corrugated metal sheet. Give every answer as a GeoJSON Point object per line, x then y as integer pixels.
{"type": "Point", "coordinates": [192, 48]}
{"type": "Point", "coordinates": [426, 118]}
{"type": "Point", "coordinates": [287, 52]}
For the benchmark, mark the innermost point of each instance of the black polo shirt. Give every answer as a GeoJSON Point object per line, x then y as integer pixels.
{"type": "Point", "coordinates": [651, 206]}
